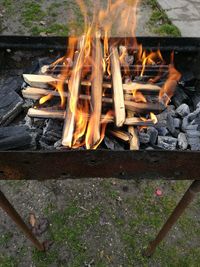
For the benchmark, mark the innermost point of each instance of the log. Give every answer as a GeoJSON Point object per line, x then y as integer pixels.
{"type": "Point", "coordinates": [93, 136]}
{"type": "Point", "coordinates": [141, 87]}
{"type": "Point", "coordinates": [46, 114]}
{"type": "Point", "coordinates": [74, 84]}
{"type": "Point", "coordinates": [134, 139]}
{"type": "Point", "coordinates": [120, 134]}
{"type": "Point", "coordinates": [49, 113]}
{"type": "Point", "coordinates": [36, 93]}
{"type": "Point", "coordinates": [43, 81]}
{"type": "Point", "coordinates": [118, 94]}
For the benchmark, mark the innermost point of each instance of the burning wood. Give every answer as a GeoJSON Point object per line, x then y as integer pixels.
{"type": "Point", "coordinates": [74, 84]}
{"type": "Point", "coordinates": [49, 113]}
{"type": "Point", "coordinates": [120, 134]}
{"type": "Point", "coordinates": [93, 135]}
{"type": "Point", "coordinates": [36, 93]}
{"type": "Point", "coordinates": [118, 95]}
{"type": "Point", "coordinates": [134, 139]}
{"type": "Point", "coordinates": [43, 81]}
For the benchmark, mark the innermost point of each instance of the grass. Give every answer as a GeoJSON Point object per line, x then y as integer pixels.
{"type": "Point", "coordinates": [32, 13]}
{"type": "Point", "coordinates": [5, 238]}
{"type": "Point", "coordinates": [160, 23]}
{"type": "Point", "coordinates": [79, 236]}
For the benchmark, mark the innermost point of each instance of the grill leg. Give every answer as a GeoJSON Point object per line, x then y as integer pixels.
{"type": "Point", "coordinates": [10, 210]}
{"type": "Point", "coordinates": [180, 208]}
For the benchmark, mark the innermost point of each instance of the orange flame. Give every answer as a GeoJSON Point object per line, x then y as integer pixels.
{"type": "Point", "coordinates": [138, 96]}
{"type": "Point", "coordinates": [169, 87]}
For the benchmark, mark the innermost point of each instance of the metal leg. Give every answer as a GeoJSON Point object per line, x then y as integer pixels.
{"type": "Point", "coordinates": [180, 208]}
{"type": "Point", "coordinates": [10, 210]}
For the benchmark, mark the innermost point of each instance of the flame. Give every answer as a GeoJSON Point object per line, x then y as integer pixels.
{"type": "Point", "coordinates": [153, 118]}
{"type": "Point", "coordinates": [45, 98]}
{"type": "Point", "coordinates": [138, 96]}
{"type": "Point", "coordinates": [104, 123]}
{"type": "Point", "coordinates": [169, 87]}
{"type": "Point", "coordinates": [81, 124]}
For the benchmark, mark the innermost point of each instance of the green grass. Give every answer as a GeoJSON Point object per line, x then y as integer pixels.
{"type": "Point", "coordinates": [5, 238]}
{"type": "Point", "coordinates": [6, 261]}
{"type": "Point", "coordinates": [32, 13]}
{"type": "Point", "coordinates": [160, 23]}
{"type": "Point", "coordinates": [168, 30]}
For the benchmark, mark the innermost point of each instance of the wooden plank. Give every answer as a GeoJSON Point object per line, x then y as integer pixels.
{"type": "Point", "coordinates": [118, 94]}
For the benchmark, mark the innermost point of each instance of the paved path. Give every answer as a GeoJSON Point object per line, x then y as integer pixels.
{"type": "Point", "coordinates": [185, 14]}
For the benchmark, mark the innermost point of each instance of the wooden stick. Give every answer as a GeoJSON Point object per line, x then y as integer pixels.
{"type": "Point", "coordinates": [118, 95]}
{"type": "Point", "coordinates": [42, 81]}
{"type": "Point", "coordinates": [36, 93]}
{"type": "Point", "coordinates": [74, 83]}
{"type": "Point", "coordinates": [96, 93]}
{"type": "Point", "coordinates": [134, 139]}
{"type": "Point", "coordinates": [46, 114]}
{"type": "Point", "coordinates": [49, 113]}
{"type": "Point", "coordinates": [120, 134]}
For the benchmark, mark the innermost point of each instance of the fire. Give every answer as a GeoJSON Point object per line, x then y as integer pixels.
{"type": "Point", "coordinates": [138, 96]}
{"type": "Point", "coordinates": [79, 64]}
{"type": "Point", "coordinates": [169, 87]}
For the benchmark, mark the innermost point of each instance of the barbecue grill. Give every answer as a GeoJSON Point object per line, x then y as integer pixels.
{"type": "Point", "coordinates": [142, 164]}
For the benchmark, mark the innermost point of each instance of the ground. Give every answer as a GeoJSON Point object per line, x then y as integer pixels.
{"type": "Point", "coordinates": [94, 222]}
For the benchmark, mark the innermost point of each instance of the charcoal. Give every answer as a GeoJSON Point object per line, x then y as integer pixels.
{"type": "Point", "coordinates": [167, 142]}
{"type": "Point", "coordinates": [16, 137]}
{"type": "Point", "coordinates": [180, 97]}
{"type": "Point", "coordinates": [162, 117]}
{"type": "Point", "coordinates": [196, 100]}
{"type": "Point", "coordinates": [153, 132]}
{"type": "Point", "coordinates": [112, 144]}
{"type": "Point", "coordinates": [162, 131]}
{"type": "Point", "coordinates": [194, 143]}
{"type": "Point", "coordinates": [193, 127]}
{"type": "Point", "coordinates": [10, 106]}
{"type": "Point", "coordinates": [193, 133]}
{"type": "Point", "coordinates": [198, 105]}
{"type": "Point", "coordinates": [12, 84]}
{"type": "Point", "coordinates": [183, 110]}
{"type": "Point", "coordinates": [52, 132]}
{"type": "Point", "coordinates": [187, 79]}
{"type": "Point", "coordinates": [177, 123]}
{"type": "Point", "coordinates": [171, 126]}
{"type": "Point", "coordinates": [144, 138]}
{"type": "Point", "coordinates": [182, 141]}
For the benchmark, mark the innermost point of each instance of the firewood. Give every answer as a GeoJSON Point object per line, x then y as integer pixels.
{"type": "Point", "coordinates": [46, 113]}
{"type": "Point", "coordinates": [118, 94]}
{"type": "Point", "coordinates": [120, 134]}
{"type": "Point", "coordinates": [36, 93]}
{"type": "Point", "coordinates": [96, 92]}
{"type": "Point", "coordinates": [141, 87]}
{"type": "Point", "coordinates": [74, 84]}
{"type": "Point", "coordinates": [134, 139]}
{"type": "Point", "coordinates": [49, 113]}
{"type": "Point", "coordinates": [42, 81]}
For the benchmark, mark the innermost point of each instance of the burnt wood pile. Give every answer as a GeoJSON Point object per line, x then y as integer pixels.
{"type": "Point", "coordinates": [114, 103]}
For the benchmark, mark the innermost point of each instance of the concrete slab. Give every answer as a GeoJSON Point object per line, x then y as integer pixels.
{"type": "Point", "coordinates": [183, 14]}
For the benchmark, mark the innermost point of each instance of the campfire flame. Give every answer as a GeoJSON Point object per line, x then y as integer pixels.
{"type": "Point", "coordinates": [79, 54]}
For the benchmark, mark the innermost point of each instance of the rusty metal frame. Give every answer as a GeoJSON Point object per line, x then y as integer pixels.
{"type": "Point", "coordinates": [169, 165]}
